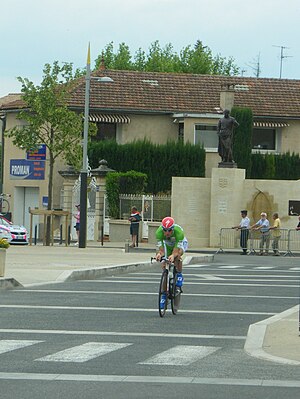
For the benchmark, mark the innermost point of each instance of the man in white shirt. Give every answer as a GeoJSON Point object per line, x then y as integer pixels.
{"type": "Point", "coordinates": [244, 227]}
{"type": "Point", "coordinates": [264, 226]}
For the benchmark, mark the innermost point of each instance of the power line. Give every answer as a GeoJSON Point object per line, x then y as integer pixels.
{"type": "Point", "coordinates": [282, 56]}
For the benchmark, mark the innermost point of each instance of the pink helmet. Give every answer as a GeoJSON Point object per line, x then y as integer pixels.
{"type": "Point", "coordinates": [168, 223]}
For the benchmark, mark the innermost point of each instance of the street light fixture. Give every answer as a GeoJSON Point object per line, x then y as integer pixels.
{"type": "Point", "coordinates": [84, 171]}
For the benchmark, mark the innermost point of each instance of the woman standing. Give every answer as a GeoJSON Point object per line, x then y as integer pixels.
{"type": "Point", "coordinates": [134, 219]}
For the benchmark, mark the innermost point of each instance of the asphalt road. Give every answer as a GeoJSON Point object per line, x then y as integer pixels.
{"type": "Point", "coordinates": [105, 339]}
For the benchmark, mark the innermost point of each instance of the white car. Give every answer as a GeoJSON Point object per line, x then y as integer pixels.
{"type": "Point", "coordinates": [14, 233]}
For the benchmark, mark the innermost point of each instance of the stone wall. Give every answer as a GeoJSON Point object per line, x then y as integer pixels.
{"type": "Point", "coordinates": [202, 206]}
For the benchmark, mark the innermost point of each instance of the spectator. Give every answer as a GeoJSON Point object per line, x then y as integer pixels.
{"type": "Point", "coordinates": [276, 233]}
{"type": "Point", "coordinates": [263, 226]}
{"type": "Point", "coordinates": [134, 219]}
{"type": "Point", "coordinates": [298, 225]}
{"type": "Point", "coordinates": [244, 227]}
{"type": "Point", "coordinates": [77, 225]}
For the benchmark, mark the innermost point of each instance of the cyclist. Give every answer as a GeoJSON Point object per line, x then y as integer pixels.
{"type": "Point", "coordinates": [172, 243]}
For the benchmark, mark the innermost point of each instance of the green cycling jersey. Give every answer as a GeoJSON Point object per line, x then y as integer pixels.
{"type": "Point", "coordinates": [176, 239]}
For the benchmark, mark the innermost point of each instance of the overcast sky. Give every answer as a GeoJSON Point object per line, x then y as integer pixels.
{"type": "Point", "coordinates": [35, 32]}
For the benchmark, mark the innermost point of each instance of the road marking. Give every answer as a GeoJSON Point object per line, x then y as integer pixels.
{"type": "Point", "coordinates": [83, 353]}
{"type": "Point", "coordinates": [230, 267]}
{"type": "Point", "coordinates": [181, 355]}
{"type": "Point", "coordinates": [155, 379]}
{"type": "Point", "coordinates": [295, 268]}
{"type": "Point", "coordinates": [8, 345]}
{"type": "Point", "coordinates": [191, 283]}
{"type": "Point", "coordinates": [263, 267]}
{"type": "Point", "coordinates": [86, 308]}
{"type": "Point", "coordinates": [152, 293]}
{"type": "Point", "coordinates": [125, 334]}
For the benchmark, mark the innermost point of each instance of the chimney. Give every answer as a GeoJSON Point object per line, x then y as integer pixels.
{"type": "Point", "coordinates": [102, 63]}
{"type": "Point", "coordinates": [227, 96]}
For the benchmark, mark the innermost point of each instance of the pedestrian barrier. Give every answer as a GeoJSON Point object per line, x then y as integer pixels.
{"type": "Point", "coordinates": [229, 239]}
{"type": "Point", "coordinates": [293, 242]}
{"type": "Point", "coordinates": [288, 244]}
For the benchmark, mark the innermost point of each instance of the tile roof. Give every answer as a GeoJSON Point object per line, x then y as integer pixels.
{"type": "Point", "coordinates": [156, 92]}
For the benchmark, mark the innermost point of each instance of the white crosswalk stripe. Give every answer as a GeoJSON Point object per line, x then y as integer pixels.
{"type": "Point", "coordinates": [181, 355]}
{"type": "Point", "coordinates": [8, 345]}
{"type": "Point", "coordinates": [83, 353]}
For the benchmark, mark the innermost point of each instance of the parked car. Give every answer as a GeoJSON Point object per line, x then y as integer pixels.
{"type": "Point", "coordinates": [15, 234]}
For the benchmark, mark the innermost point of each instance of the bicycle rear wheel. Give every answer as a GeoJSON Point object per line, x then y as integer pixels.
{"type": "Point", "coordinates": [163, 291]}
{"type": "Point", "coordinates": [4, 206]}
{"type": "Point", "coordinates": [175, 296]}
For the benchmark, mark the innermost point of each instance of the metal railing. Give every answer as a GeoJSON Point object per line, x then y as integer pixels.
{"type": "Point", "coordinates": [288, 244]}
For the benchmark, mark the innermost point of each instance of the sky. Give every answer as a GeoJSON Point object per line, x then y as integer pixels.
{"type": "Point", "coordinates": [36, 32]}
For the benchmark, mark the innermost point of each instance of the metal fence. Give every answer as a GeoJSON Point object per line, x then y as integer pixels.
{"type": "Point", "coordinates": [152, 207]}
{"type": "Point", "coordinates": [289, 242]}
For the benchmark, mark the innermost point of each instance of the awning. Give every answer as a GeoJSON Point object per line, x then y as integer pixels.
{"type": "Point", "coordinates": [109, 118]}
{"type": "Point", "coordinates": [270, 124]}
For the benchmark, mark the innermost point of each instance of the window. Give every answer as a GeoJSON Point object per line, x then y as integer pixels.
{"type": "Point", "coordinates": [207, 136]}
{"type": "Point", "coordinates": [181, 132]}
{"type": "Point", "coordinates": [264, 139]}
{"type": "Point", "coordinates": [105, 131]}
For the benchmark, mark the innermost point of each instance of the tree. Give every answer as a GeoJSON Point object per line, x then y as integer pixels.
{"type": "Point", "coordinates": [50, 122]}
{"type": "Point", "coordinates": [242, 142]}
{"type": "Point", "coordinates": [198, 60]}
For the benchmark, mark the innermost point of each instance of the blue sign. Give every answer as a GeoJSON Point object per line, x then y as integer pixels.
{"type": "Point", "coordinates": [45, 201]}
{"type": "Point", "coordinates": [22, 169]}
{"type": "Point", "coordinates": [38, 154]}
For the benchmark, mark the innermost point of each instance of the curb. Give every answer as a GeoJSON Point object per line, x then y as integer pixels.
{"type": "Point", "coordinates": [9, 283]}
{"type": "Point", "coordinates": [93, 273]}
{"type": "Point", "coordinates": [256, 334]}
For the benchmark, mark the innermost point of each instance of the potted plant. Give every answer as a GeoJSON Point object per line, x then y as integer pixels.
{"type": "Point", "coordinates": [4, 244]}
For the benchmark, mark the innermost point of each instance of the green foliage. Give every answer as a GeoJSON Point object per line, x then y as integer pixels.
{"type": "Point", "coordinates": [242, 140]}
{"type": "Point", "coordinates": [47, 117]}
{"type": "Point", "coordinates": [125, 183]}
{"type": "Point", "coordinates": [158, 162]}
{"type": "Point", "coordinates": [197, 60]}
{"type": "Point", "coordinates": [277, 167]}
{"type": "Point", "coordinates": [4, 243]}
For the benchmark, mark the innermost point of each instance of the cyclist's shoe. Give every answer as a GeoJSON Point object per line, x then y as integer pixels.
{"type": "Point", "coordinates": [179, 280]}
{"type": "Point", "coordinates": [163, 299]}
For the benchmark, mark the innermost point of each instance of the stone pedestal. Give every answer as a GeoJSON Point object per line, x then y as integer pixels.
{"type": "Point", "coordinates": [227, 199]}
{"type": "Point", "coordinates": [230, 165]}
{"type": "Point", "coordinates": [2, 261]}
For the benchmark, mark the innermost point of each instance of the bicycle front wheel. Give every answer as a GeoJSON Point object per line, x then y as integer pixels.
{"type": "Point", "coordinates": [162, 294]}
{"type": "Point", "coordinates": [4, 206]}
{"type": "Point", "coordinates": [175, 296]}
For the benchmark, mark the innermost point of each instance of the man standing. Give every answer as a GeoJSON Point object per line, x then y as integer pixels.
{"type": "Point", "coordinates": [264, 226]}
{"type": "Point", "coordinates": [276, 233]}
{"type": "Point", "coordinates": [244, 227]}
{"type": "Point", "coordinates": [225, 133]}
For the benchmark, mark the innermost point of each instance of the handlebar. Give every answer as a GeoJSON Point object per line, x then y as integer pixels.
{"type": "Point", "coordinates": [162, 259]}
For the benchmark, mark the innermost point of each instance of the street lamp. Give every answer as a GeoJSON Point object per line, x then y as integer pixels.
{"type": "Point", "coordinates": [84, 171]}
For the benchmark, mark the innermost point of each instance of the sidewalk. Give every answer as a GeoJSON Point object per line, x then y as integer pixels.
{"type": "Point", "coordinates": [275, 339]}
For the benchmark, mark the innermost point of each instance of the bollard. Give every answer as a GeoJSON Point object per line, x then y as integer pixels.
{"type": "Point", "coordinates": [69, 235]}
{"type": "Point", "coordinates": [127, 246]}
{"type": "Point", "coordinates": [102, 233]}
{"type": "Point", "coordinates": [35, 234]}
{"type": "Point", "coordinates": [60, 235]}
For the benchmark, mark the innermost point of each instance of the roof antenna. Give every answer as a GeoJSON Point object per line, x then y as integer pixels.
{"type": "Point", "coordinates": [282, 56]}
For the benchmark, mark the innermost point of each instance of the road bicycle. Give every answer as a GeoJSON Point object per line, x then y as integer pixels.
{"type": "Point", "coordinates": [168, 288]}
{"type": "Point", "coordinates": [4, 204]}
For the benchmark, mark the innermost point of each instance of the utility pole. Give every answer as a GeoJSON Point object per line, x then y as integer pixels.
{"type": "Point", "coordinates": [282, 56]}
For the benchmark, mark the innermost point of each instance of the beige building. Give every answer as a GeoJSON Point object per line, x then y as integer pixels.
{"type": "Point", "coordinates": [160, 107]}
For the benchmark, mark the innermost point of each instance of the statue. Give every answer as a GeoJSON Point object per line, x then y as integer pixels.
{"type": "Point", "coordinates": [225, 133]}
